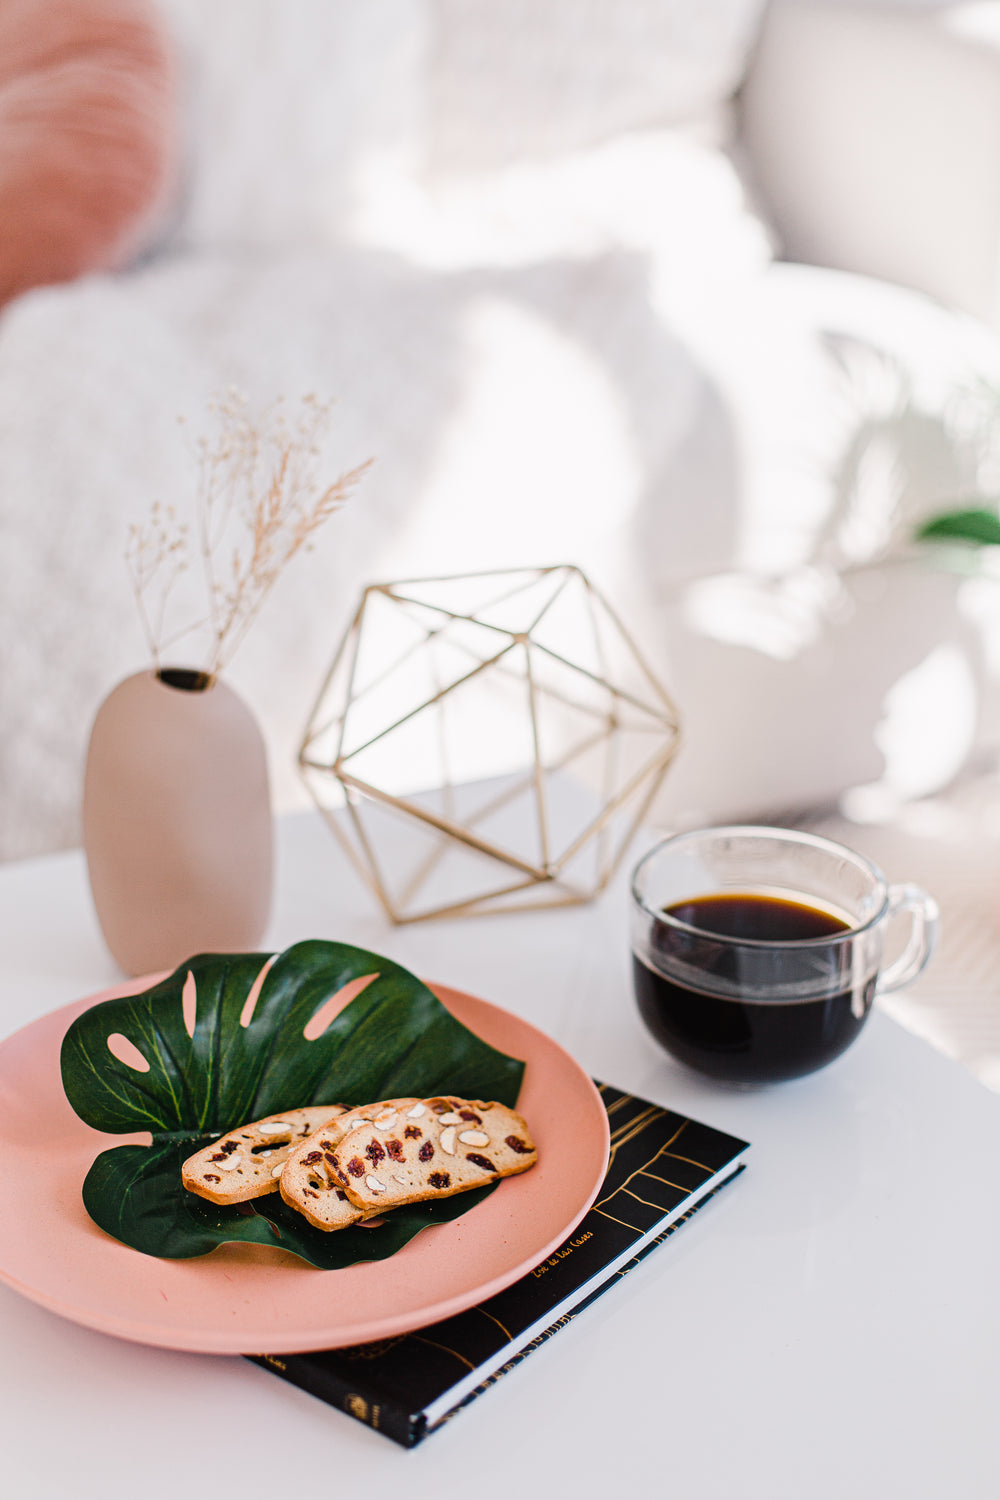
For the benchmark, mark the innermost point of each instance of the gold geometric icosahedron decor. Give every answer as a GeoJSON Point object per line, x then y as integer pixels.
{"type": "Point", "coordinates": [508, 727]}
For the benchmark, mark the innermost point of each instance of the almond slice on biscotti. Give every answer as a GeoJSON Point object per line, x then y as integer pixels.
{"type": "Point", "coordinates": [246, 1163]}
{"type": "Point", "coordinates": [449, 1146]}
{"type": "Point", "coordinates": [309, 1182]}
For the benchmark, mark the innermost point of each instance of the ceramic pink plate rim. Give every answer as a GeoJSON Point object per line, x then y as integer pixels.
{"type": "Point", "coordinates": [248, 1299]}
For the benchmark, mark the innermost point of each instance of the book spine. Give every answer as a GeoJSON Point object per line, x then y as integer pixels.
{"type": "Point", "coordinates": [352, 1397]}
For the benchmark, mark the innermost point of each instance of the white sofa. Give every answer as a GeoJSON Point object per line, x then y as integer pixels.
{"type": "Point", "coordinates": [700, 297]}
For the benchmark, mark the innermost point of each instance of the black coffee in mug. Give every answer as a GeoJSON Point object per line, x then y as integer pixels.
{"type": "Point", "coordinates": [757, 952]}
{"type": "Point", "coordinates": [742, 1035]}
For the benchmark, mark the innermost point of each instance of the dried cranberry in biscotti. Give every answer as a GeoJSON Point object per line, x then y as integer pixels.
{"type": "Point", "coordinates": [439, 1180]}
{"type": "Point", "coordinates": [395, 1149]}
{"type": "Point", "coordinates": [374, 1152]}
{"type": "Point", "coordinates": [356, 1167]}
{"type": "Point", "coordinates": [480, 1161]}
{"type": "Point", "coordinates": [426, 1151]}
{"type": "Point", "coordinates": [413, 1132]}
{"type": "Point", "coordinates": [516, 1144]}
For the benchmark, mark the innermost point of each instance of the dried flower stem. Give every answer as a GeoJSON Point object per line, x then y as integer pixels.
{"type": "Point", "coordinates": [259, 481]}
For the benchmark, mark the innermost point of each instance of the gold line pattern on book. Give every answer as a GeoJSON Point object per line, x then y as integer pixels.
{"type": "Point", "coordinates": [631, 1130]}
{"type": "Point", "coordinates": [505, 1331]}
{"type": "Point", "coordinates": [645, 1166]}
{"type": "Point", "coordinates": [667, 1181]}
{"type": "Point", "coordinates": [625, 1225]}
{"type": "Point", "coordinates": [676, 1156]}
{"type": "Point", "coordinates": [421, 1339]}
{"type": "Point", "coordinates": [647, 1201]}
{"type": "Point", "coordinates": [636, 1122]}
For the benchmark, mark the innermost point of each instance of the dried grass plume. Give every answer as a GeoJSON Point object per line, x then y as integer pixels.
{"type": "Point", "coordinates": [258, 501]}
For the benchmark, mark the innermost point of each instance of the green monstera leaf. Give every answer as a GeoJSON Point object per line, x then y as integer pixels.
{"type": "Point", "coordinates": [237, 1064]}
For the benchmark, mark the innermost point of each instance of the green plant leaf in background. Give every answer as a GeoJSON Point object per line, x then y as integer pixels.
{"type": "Point", "coordinates": [975, 526]}
{"type": "Point", "coordinates": [236, 1065]}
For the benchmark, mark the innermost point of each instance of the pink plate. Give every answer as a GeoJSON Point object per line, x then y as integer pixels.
{"type": "Point", "coordinates": [246, 1299]}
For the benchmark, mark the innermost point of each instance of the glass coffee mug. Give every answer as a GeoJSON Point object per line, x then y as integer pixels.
{"type": "Point", "coordinates": [757, 952]}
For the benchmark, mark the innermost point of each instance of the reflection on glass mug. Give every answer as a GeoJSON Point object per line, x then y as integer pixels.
{"type": "Point", "coordinates": [757, 952]}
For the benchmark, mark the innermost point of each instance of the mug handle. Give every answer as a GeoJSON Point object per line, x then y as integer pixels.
{"type": "Point", "coordinates": [924, 914]}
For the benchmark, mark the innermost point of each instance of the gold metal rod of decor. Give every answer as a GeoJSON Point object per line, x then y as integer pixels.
{"type": "Point", "coordinates": [500, 799]}
{"type": "Point", "coordinates": [464, 835]}
{"type": "Point", "coordinates": [394, 666]}
{"type": "Point", "coordinates": [476, 906]}
{"type": "Point", "coordinates": [451, 614]}
{"type": "Point", "coordinates": [354, 625]}
{"type": "Point", "coordinates": [332, 821]}
{"type": "Point", "coordinates": [638, 817]}
{"type": "Point", "coordinates": [556, 694]}
{"type": "Point", "coordinates": [465, 908]}
{"type": "Point", "coordinates": [459, 682]}
{"type": "Point", "coordinates": [611, 808]}
{"type": "Point", "coordinates": [424, 871]}
{"type": "Point", "coordinates": [647, 671]}
{"type": "Point", "coordinates": [376, 871]}
{"type": "Point", "coordinates": [546, 689]}
{"type": "Point", "coordinates": [443, 748]}
{"type": "Point", "coordinates": [546, 607]}
{"type": "Point", "coordinates": [536, 573]}
{"type": "Point", "coordinates": [494, 805]}
{"type": "Point", "coordinates": [626, 697]}
{"type": "Point", "coordinates": [436, 855]}
{"type": "Point", "coordinates": [599, 651]}
{"type": "Point", "coordinates": [509, 793]}
{"type": "Point", "coordinates": [607, 784]}
{"type": "Point", "coordinates": [508, 594]}
{"type": "Point", "coordinates": [349, 689]}
{"type": "Point", "coordinates": [543, 820]}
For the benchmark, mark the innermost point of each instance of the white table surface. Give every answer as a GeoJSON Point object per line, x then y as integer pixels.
{"type": "Point", "coordinates": [829, 1326]}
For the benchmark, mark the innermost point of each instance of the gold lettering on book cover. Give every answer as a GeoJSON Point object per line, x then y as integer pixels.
{"type": "Point", "coordinates": [357, 1406]}
{"type": "Point", "coordinates": [562, 1253]}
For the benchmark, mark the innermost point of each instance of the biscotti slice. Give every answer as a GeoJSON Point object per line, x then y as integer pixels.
{"type": "Point", "coordinates": [436, 1148]}
{"type": "Point", "coordinates": [308, 1181]}
{"type": "Point", "coordinates": [247, 1162]}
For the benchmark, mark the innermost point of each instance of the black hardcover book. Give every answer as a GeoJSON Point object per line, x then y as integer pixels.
{"type": "Point", "coordinates": [661, 1169]}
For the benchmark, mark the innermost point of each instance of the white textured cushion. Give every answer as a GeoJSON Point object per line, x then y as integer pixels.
{"type": "Point", "coordinates": [292, 107]}
{"type": "Point", "coordinates": [512, 80]}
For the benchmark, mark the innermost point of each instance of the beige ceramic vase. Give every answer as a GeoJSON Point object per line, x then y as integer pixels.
{"type": "Point", "coordinates": [177, 821]}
